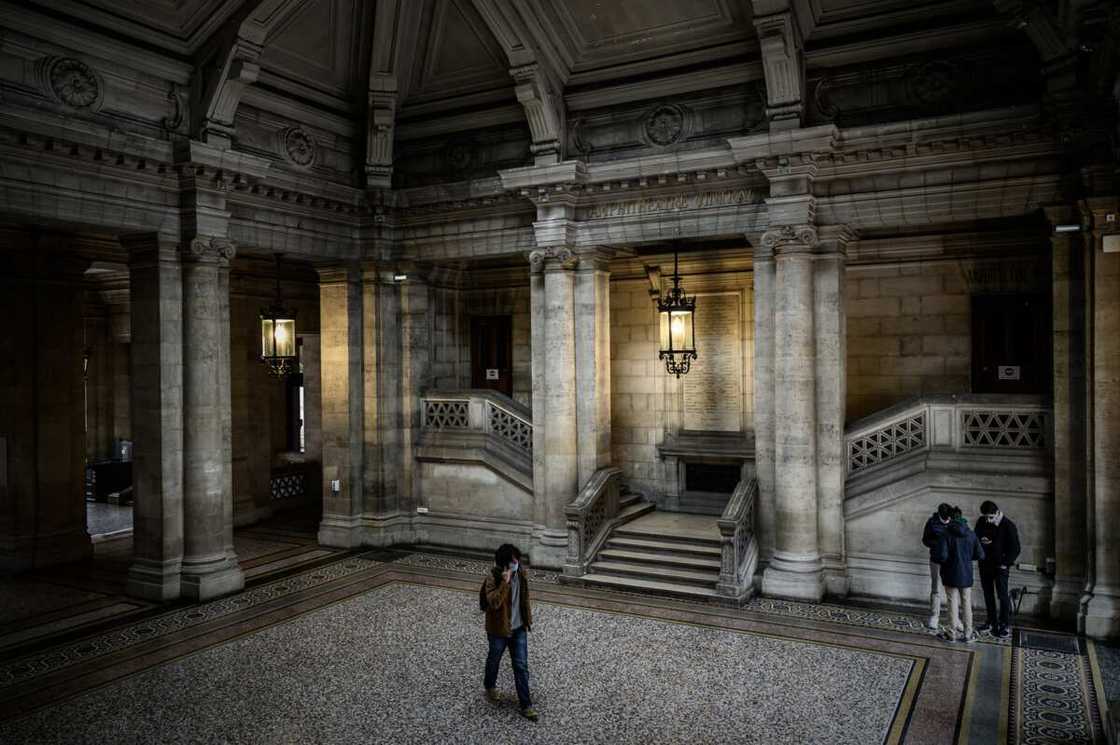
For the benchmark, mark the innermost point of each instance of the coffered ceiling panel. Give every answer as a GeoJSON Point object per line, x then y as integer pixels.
{"type": "Point", "coordinates": [317, 47]}
{"type": "Point", "coordinates": [177, 24]}
{"type": "Point", "coordinates": [600, 34]}
{"type": "Point", "coordinates": [458, 54]}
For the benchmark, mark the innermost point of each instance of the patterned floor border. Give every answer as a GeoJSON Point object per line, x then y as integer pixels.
{"type": "Point", "coordinates": [1052, 699]}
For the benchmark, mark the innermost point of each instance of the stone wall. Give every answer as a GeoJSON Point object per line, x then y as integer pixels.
{"type": "Point", "coordinates": [908, 334]}
{"type": "Point", "coordinates": [648, 404]}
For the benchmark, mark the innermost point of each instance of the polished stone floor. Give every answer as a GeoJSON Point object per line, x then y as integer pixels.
{"type": "Point", "coordinates": [387, 646]}
{"type": "Point", "coordinates": [106, 519]}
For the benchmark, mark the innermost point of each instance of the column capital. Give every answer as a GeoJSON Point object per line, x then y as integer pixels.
{"type": "Point", "coordinates": [788, 240]}
{"type": "Point", "coordinates": [596, 258]}
{"type": "Point", "coordinates": [834, 239]}
{"type": "Point", "coordinates": [337, 273]}
{"type": "Point", "coordinates": [209, 250]}
{"type": "Point", "coordinates": [553, 259]}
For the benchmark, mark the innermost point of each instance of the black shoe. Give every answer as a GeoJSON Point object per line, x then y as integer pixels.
{"type": "Point", "coordinates": [1003, 633]}
{"type": "Point", "coordinates": [984, 627]}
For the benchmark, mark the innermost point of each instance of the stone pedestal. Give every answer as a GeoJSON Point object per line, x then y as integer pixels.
{"type": "Point", "coordinates": [209, 567]}
{"type": "Point", "coordinates": [795, 567]}
{"type": "Point", "coordinates": [156, 289]}
{"type": "Point", "coordinates": [340, 344]}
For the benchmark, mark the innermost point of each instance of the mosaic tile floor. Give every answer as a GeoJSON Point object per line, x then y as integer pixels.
{"type": "Point", "coordinates": [598, 678]}
{"type": "Point", "coordinates": [301, 656]}
{"type": "Point", "coordinates": [104, 518]}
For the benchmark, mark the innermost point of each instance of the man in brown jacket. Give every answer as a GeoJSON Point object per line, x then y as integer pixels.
{"type": "Point", "coordinates": [508, 621]}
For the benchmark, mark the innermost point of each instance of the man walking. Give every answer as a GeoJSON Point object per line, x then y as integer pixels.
{"type": "Point", "coordinates": [509, 618]}
{"type": "Point", "coordinates": [955, 552]}
{"type": "Point", "coordinates": [1000, 539]}
{"type": "Point", "coordinates": [935, 528]}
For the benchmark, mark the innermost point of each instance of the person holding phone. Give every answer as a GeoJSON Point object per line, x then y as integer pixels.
{"type": "Point", "coordinates": [509, 617]}
{"type": "Point", "coordinates": [1000, 539]}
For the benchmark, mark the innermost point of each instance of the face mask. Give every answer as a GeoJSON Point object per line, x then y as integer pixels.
{"type": "Point", "coordinates": [513, 567]}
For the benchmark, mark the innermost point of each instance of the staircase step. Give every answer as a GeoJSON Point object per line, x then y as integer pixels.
{"type": "Point", "coordinates": [693, 563]}
{"type": "Point", "coordinates": [625, 500]}
{"type": "Point", "coordinates": [655, 546]}
{"type": "Point", "coordinates": [656, 572]}
{"type": "Point", "coordinates": [627, 531]}
{"type": "Point", "coordinates": [636, 509]}
{"type": "Point", "coordinates": [649, 586]}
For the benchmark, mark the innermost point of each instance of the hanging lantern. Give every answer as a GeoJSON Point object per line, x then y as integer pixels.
{"type": "Point", "coordinates": [678, 328]}
{"type": "Point", "coordinates": [278, 335]}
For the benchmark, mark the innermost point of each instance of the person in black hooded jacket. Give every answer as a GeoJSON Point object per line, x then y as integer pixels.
{"type": "Point", "coordinates": [955, 552]}
{"type": "Point", "coordinates": [935, 528]}
{"type": "Point", "coordinates": [1000, 539]}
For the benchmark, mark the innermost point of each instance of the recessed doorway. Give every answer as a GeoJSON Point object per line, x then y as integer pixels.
{"type": "Point", "coordinates": [492, 353]}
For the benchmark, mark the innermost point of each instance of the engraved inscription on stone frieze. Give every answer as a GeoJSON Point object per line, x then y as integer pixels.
{"type": "Point", "coordinates": [672, 203]}
{"type": "Point", "coordinates": [713, 390]}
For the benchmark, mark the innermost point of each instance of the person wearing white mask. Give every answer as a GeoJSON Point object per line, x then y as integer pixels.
{"type": "Point", "coordinates": [505, 598]}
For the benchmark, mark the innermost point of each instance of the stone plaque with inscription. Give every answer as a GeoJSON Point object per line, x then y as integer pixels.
{"type": "Point", "coordinates": [713, 389]}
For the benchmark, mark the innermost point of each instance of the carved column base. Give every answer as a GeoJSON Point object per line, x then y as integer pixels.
{"type": "Point", "coordinates": [550, 548]}
{"type": "Point", "coordinates": [794, 577]}
{"type": "Point", "coordinates": [154, 580]}
{"type": "Point", "coordinates": [1102, 613]}
{"type": "Point", "coordinates": [203, 581]}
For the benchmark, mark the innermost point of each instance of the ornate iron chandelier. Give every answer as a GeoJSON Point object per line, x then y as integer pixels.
{"type": "Point", "coordinates": [678, 330]}
{"type": "Point", "coordinates": [278, 335]}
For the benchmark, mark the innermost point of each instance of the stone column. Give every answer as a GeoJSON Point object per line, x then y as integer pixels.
{"type": "Point", "coordinates": [830, 329]}
{"type": "Point", "coordinates": [764, 395]}
{"type": "Point", "coordinates": [156, 407]}
{"type": "Point", "coordinates": [225, 405]}
{"type": "Point", "coordinates": [558, 357]}
{"type": "Point", "coordinates": [592, 328]}
{"type": "Point", "coordinates": [416, 364]}
{"type": "Point", "coordinates": [1068, 277]}
{"type": "Point", "coordinates": [795, 567]}
{"type": "Point", "coordinates": [384, 461]}
{"type": "Point", "coordinates": [210, 568]}
{"type": "Point", "coordinates": [537, 368]}
{"type": "Point", "coordinates": [1102, 614]}
{"type": "Point", "coordinates": [340, 344]}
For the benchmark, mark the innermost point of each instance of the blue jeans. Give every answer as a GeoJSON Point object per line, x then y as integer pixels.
{"type": "Point", "coordinates": [519, 656]}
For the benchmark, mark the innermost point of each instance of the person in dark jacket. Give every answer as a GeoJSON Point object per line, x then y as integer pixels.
{"type": "Point", "coordinates": [957, 548]}
{"type": "Point", "coordinates": [1000, 539]}
{"type": "Point", "coordinates": [935, 528]}
{"type": "Point", "coordinates": [509, 617]}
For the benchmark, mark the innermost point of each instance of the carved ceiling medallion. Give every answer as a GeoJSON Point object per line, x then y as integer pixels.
{"type": "Point", "coordinates": [934, 82]}
{"type": "Point", "coordinates": [298, 147]}
{"type": "Point", "coordinates": [73, 82]}
{"type": "Point", "coordinates": [664, 125]}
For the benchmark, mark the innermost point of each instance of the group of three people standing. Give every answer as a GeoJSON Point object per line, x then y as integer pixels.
{"type": "Point", "coordinates": [952, 549]}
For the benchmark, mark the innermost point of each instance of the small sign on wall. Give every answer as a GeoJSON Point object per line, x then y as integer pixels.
{"type": "Point", "coordinates": [1008, 372]}
{"type": "Point", "coordinates": [492, 373]}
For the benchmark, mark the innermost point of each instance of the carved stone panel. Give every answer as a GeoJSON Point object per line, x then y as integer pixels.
{"type": "Point", "coordinates": [713, 389]}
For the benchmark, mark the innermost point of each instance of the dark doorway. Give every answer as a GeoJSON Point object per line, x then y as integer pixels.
{"type": "Point", "coordinates": [1010, 344]}
{"type": "Point", "coordinates": [492, 353]}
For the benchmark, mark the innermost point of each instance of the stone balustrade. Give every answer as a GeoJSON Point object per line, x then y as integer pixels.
{"type": "Point", "coordinates": [591, 518]}
{"type": "Point", "coordinates": [482, 411]}
{"type": "Point", "coordinates": [739, 550]}
{"type": "Point", "coordinates": [982, 423]}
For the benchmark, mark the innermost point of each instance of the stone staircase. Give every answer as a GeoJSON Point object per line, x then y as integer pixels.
{"type": "Point", "coordinates": [660, 553]}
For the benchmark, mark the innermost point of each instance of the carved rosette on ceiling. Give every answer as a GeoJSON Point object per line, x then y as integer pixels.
{"type": "Point", "coordinates": [934, 83]}
{"type": "Point", "coordinates": [665, 125]}
{"type": "Point", "coordinates": [73, 83]}
{"type": "Point", "coordinates": [297, 147]}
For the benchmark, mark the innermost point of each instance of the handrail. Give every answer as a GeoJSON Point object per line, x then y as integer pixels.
{"type": "Point", "coordinates": [967, 422]}
{"type": "Point", "coordinates": [739, 548]}
{"type": "Point", "coordinates": [483, 411]}
{"type": "Point", "coordinates": [590, 516]}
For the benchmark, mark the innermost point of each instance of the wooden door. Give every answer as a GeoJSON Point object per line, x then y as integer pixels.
{"type": "Point", "coordinates": [492, 353]}
{"type": "Point", "coordinates": [1010, 344]}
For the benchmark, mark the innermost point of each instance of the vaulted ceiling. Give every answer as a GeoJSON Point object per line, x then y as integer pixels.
{"type": "Point", "coordinates": [447, 57]}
